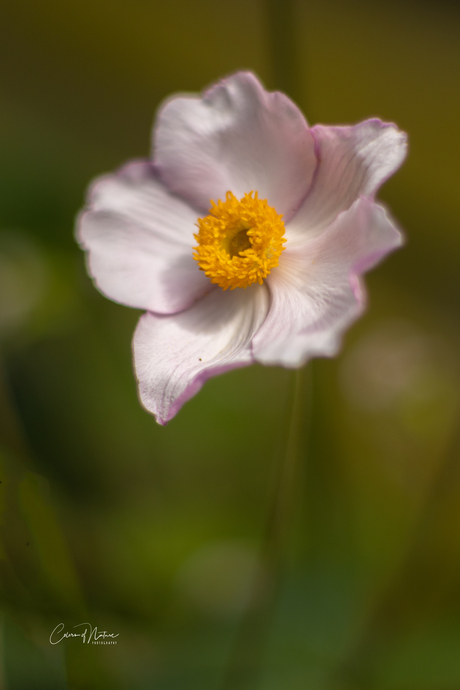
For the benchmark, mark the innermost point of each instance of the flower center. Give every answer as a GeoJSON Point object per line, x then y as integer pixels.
{"type": "Point", "coordinates": [240, 241]}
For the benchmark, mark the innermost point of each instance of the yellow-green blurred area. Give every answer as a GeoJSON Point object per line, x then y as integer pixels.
{"type": "Point", "coordinates": [152, 533]}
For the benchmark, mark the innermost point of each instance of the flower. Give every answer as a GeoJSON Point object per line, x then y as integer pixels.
{"type": "Point", "coordinates": [243, 239]}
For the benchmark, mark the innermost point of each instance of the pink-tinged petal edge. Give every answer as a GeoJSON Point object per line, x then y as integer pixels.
{"type": "Point", "coordinates": [139, 239]}
{"type": "Point", "coordinates": [316, 291]}
{"type": "Point", "coordinates": [353, 162]}
{"type": "Point", "coordinates": [174, 355]}
{"type": "Point", "coordinates": [239, 138]}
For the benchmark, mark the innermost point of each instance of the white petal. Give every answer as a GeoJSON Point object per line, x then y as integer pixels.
{"type": "Point", "coordinates": [140, 238]}
{"type": "Point", "coordinates": [174, 355]}
{"type": "Point", "coordinates": [237, 138]}
{"type": "Point", "coordinates": [316, 291]}
{"type": "Point", "coordinates": [353, 162]}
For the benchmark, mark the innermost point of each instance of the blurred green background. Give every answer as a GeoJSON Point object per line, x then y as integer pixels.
{"type": "Point", "coordinates": [152, 533]}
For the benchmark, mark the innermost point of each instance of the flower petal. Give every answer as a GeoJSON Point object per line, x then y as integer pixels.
{"type": "Point", "coordinates": [140, 238]}
{"type": "Point", "coordinates": [174, 355]}
{"type": "Point", "coordinates": [316, 291]}
{"type": "Point", "coordinates": [353, 162]}
{"type": "Point", "coordinates": [237, 138]}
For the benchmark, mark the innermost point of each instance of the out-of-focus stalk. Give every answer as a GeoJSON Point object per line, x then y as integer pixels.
{"type": "Point", "coordinates": [247, 658]}
{"type": "Point", "coordinates": [284, 48]}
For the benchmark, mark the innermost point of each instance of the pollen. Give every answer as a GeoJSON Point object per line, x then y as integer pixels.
{"type": "Point", "coordinates": [240, 241]}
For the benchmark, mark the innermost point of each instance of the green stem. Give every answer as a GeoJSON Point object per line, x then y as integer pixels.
{"type": "Point", "coordinates": [246, 661]}
{"type": "Point", "coordinates": [283, 45]}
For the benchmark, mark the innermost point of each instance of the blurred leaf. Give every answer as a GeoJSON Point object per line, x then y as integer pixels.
{"type": "Point", "coordinates": [50, 543]}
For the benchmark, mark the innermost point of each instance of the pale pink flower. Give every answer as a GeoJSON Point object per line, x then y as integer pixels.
{"type": "Point", "coordinates": [301, 291]}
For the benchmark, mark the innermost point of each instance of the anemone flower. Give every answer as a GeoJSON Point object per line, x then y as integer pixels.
{"type": "Point", "coordinates": [243, 238]}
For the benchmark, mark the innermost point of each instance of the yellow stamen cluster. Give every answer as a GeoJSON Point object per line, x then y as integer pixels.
{"type": "Point", "coordinates": [240, 241]}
